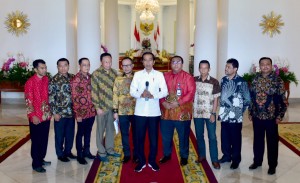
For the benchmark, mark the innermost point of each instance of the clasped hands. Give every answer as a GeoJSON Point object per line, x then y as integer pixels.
{"type": "Point", "coordinates": [146, 94]}
{"type": "Point", "coordinates": [170, 105]}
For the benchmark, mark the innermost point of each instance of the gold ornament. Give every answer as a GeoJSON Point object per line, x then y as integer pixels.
{"type": "Point", "coordinates": [17, 23]}
{"type": "Point", "coordinates": [271, 24]}
{"type": "Point", "coordinates": [146, 28]}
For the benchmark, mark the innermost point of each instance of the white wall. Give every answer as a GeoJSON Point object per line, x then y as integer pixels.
{"type": "Point", "coordinates": [46, 37]}
{"type": "Point", "coordinates": [246, 42]}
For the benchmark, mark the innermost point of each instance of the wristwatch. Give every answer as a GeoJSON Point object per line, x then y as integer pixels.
{"type": "Point", "coordinates": [213, 113]}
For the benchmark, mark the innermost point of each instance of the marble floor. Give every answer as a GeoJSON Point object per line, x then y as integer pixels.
{"type": "Point", "coordinates": [17, 167]}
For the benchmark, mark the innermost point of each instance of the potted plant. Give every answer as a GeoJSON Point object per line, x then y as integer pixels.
{"type": "Point", "coordinates": [280, 68]}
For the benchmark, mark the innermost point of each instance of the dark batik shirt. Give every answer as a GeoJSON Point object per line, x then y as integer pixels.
{"type": "Point", "coordinates": [60, 98]}
{"type": "Point", "coordinates": [268, 97]}
{"type": "Point", "coordinates": [235, 98]}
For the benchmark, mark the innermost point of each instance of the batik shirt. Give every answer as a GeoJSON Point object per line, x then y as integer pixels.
{"type": "Point", "coordinates": [268, 97]}
{"type": "Point", "coordinates": [102, 88]}
{"type": "Point", "coordinates": [81, 96]}
{"type": "Point", "coordinates": [60, 97]}
{"type": "Point", "coordinates": [206, 92]}
{"type": "Point", "coordinates": [235, 98]}
{"type": "Point", "coordinates": [185, 83]}
{"type": "Point", "coordinates": [123, 102]}
{"type": "Point", "coordinates": [37, 98]}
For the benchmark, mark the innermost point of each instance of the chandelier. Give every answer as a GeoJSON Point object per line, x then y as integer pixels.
{"type": "Point", "coordinates": [147, 8]}
{"type": "Point", "coordinates": [147, 15]}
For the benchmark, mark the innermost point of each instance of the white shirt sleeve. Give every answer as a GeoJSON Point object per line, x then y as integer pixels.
{"type": "Point", "coordinates": [163, 89]}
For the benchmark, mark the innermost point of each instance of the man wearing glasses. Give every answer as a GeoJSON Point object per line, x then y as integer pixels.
{"type": "Point", "coordinates": [177, 110]}
{"type": "Point", "coordinates": [123, 108]}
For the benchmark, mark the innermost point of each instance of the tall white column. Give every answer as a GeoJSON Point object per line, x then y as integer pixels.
{"type": "Point", "coordinates": [133, 42]}
{"type": "Point", "coordinates": [183, 31]}
{"type": "Point", "coordinates": [206, 35]}
{"type": "Point", "coordinates": [88, 31]}
{"type": "Point", "coordinates": [112, 30]}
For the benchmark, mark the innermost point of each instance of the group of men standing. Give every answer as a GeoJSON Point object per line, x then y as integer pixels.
{"type": "Point", "coordinates": [149, 100]}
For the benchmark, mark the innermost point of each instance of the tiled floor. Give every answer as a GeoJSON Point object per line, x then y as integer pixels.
{"type": "Point", "coordinates": [17, 167]}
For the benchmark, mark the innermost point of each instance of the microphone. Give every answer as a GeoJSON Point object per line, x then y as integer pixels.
{"type": "Point", "coordinates": [147, 86]}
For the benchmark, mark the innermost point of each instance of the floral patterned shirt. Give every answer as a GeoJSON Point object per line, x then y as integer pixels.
{"type": "Point", "coordinates": [81, 96]}
{"type": "Point", "coordinates": [60, 97]}
{"type": "Point", "coordinates": [235, 98]}
{"type": "Point", "coordinates": [37, 99]}
{"type": "Point", "coordinates": [206, 92]}
{"type": "Point", "coordinates": [123, 102]}
{"type": "Point", "coordinates": [268, 97]}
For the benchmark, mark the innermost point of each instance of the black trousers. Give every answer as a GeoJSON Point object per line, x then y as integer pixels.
{"type": "Point", "coordinates": [84, 130]}
{"type": "Point", "coordinates": [151, 124]}
{"type": "Point", "coordinates": [39, 142]}
{"type": "Point", "coordinates": [270, 128]}
{"type": "Point", "coordinates": [231, 141]}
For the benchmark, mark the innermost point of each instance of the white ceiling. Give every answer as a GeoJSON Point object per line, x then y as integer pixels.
{"type": "Point", "coordinates": [161, 2]}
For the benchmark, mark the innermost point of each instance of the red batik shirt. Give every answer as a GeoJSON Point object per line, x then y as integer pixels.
{"type": "Point", "coordinates": [186, 83]}
{"type": "Point", "coordinates": [81, 96]}
{"type": "Point", "coordinates": [36, 97]}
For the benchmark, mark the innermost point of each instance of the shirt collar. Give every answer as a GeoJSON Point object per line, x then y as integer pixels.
{"type": "Point", "coordinates": [208, 78]}
{"type": "Point", "coordinates": [152, 71]}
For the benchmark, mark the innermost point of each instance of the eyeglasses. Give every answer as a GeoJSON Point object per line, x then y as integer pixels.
{"type": "Point", "coordinates": [176, 62]}
{"type": "Point", "coordinates": [129, 65]}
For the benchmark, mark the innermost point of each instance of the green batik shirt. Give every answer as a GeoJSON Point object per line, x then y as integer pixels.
{"type": "Point", "coordinates": [123, 102]}
{"type": "Point", "coordinates": [102, 88]}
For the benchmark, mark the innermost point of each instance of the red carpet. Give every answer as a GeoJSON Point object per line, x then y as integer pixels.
{"type": "Point", "coordinates": [289, 135]}
{"type": "Point", "coordinates": [12, 137]}
{"type": "Point", "coordinates": [170, 172]}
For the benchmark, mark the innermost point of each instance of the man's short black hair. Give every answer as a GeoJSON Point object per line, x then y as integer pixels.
{"type": "Point", "coordinates": [148, 53]}
{"type": "Point", "coordinates": [233, 62]}
{"type": "Point", "coordinates": [104, 55]}
{"type": "Point", "coordinates": [36, 63]}
{"type": "Point", "coordinates": [127, 58]}
{"type": "Point", "coordinates": [177, 56]}
{"type": "Point", "coordinates": [62, 60]}
{"type": "Point", "coordinates": [83, 58]}
{"type": "Point", "coordinates": [204, 62]}
{"type": "Point", "coordinates": [265, 58]}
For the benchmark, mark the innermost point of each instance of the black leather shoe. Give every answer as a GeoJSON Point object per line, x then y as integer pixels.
{"type": "Point", "coordinates": [272, 171]}
{"type": "Point", "coordinates": [183, 161]}
{"type": "Point", "coordinates": [81, 161]}
{"type": "Point", "coordinates": [63, 159]}
{"type": "Point", "coordinates": [223, 160]}
{"type": "Point", "coordinates": [253, 166]}
{"type": "Point", "coordinates": [71, 156]}
{"type": "Point", "coordinates": [46, 163]}
{"type": "Point", "coordinates": [90, 156]}
{"type": "Point", "coordinates": [164, 159]}
{"type": "Point", "coordinates": [40, 169]}
{"type": "Point", "coordinates": [234, 166]}
{"type": "Point", "coordinates": [126, 159]}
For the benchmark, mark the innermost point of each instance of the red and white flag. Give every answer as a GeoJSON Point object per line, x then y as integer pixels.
{"type": "Point", "coordinates": [137, 36]}
{"type": "Point", "coordinates": [157, 35]}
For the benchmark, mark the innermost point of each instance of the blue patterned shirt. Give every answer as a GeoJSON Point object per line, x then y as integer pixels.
{"type": "Point", "coordinates": [234, 100]}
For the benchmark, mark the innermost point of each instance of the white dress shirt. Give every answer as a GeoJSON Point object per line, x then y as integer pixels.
{"type": "Point", "coordinates": [157, 87]}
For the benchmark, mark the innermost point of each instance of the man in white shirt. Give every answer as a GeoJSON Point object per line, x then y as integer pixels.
{"type": "Point", "coordinates": [147, 86]}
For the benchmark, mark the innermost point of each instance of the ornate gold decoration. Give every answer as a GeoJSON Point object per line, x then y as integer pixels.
{"type": "Point", "coordinates": [271, 24]}
{"type": "Point", "coordinates": [146, 28]}
{"type": "Point", "coordinates": [17, 23]}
